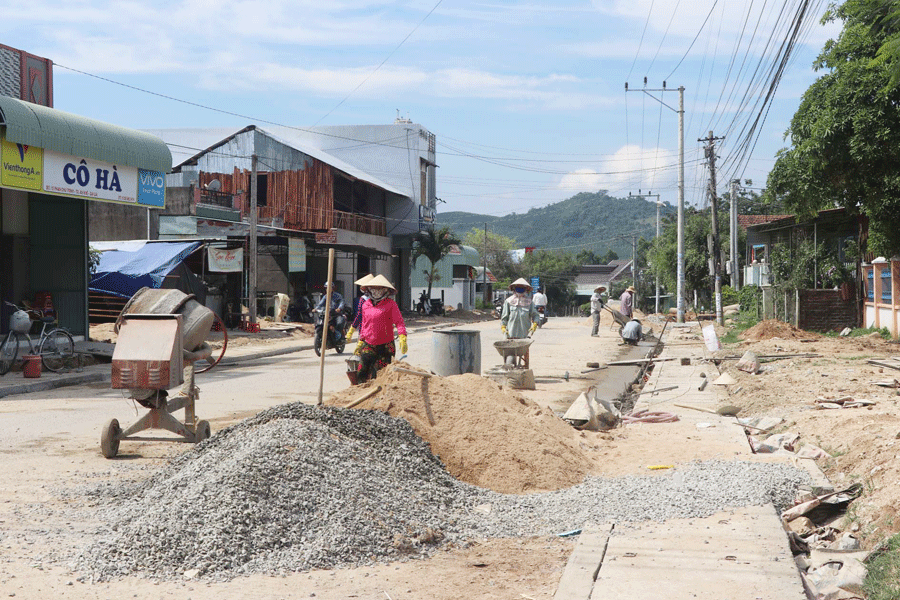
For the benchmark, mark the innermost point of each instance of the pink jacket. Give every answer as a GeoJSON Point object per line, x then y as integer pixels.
{"type": "Point", "coordinates": [378, 322]}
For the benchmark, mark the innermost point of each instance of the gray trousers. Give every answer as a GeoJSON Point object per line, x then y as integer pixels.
{"type": "Point", "coordinates": [595, 328]}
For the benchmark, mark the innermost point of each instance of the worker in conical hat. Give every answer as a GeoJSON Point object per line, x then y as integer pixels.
{"type": "Point", "coordinates": [597, 304]}
{"type": "Point", "coordinates": [357, 319]}
{"type": "Point", "coordinates": [626, 301]}
{"type": "Point", "coordinates": [380, 314]}
{"type": "Point", "coordinates": [519, 316]}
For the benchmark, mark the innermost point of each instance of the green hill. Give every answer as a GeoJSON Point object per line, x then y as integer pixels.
{"type": "Point", "coordinates": [593, 221]}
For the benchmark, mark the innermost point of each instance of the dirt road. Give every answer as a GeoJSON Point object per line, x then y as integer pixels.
{"type": "Point", "coordinates": [51, 444]}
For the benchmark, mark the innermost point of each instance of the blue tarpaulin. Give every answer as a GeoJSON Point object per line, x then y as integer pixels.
{"type": "Point", "coordinates": [126, 267]}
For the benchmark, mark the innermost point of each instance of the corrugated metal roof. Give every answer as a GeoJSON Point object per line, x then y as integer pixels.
{"type": "Point", "coordinates": [63, 132]}
{"type": "Point", "coordinates": [206, 140]}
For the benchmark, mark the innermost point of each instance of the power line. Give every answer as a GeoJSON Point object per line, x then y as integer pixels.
{"type": "Point", "coordinates": [381, 64]}
{"type": "Point", "coordinates": [699, 31]}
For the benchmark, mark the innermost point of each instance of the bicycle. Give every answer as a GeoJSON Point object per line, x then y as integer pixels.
{"type": "Point", "coordinates": [55, 345]}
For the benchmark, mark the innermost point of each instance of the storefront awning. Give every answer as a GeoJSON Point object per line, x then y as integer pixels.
{"type": "Point", "coordinates": [51, 129]}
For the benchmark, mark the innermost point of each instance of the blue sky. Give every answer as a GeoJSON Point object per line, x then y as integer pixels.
{"type": "Point", "coordinates": [526, 99]}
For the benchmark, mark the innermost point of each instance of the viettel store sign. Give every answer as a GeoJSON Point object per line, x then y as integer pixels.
{"type": "Point", "coordinates": [36, 169]}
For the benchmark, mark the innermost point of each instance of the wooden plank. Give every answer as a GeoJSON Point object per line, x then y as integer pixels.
{"type": "Point", "coordinates": [640, 361]}
{"type": "Point", "coordinates": [581, 570]}
{"type": "Point", "coordinates": [881, 363]}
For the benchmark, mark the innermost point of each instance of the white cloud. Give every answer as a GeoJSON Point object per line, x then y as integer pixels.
{"type": "Point", "coordinates": [630, 168]}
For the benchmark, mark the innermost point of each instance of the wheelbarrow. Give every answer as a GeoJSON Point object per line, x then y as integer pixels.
{"type": "Point", "coordinates": [620, 319]}
{"type": "Point", "coordinates": [514, 351]}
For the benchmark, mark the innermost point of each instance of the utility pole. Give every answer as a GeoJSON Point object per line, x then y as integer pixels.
{"type": "Point", "coordinates": [713, 201]}
{"type": "Point", "coordinates": [658, 204]}
{"type": "Point", "coordinates": [680, 256]}
{"type": "Point", "coordinates": [253, 253]}
{"type": "Point", "coordinates": [484, 277]}
{"type": "Point", "coordinates": [735, 262]}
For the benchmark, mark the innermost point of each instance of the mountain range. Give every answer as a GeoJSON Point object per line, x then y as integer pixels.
{"type": "Point", "coordinates": [591, 221]}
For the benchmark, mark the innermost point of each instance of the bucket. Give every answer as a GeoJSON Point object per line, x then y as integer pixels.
{"type": "Point", "coordinates": [32, 366]}
{"type": "Point", "coordinates": [456, 351]}
{"type": "Point", "coordinates": [352, 374]}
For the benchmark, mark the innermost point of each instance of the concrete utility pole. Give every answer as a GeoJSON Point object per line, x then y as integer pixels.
{"type": "Point", "coordinates": [735, 259]}
{"type": "Point", "coordinates": [713, 201]}
{"type": "Point", "coordinates": [484, 279]}
{"type": "Point", "coordinates": [253, 253]}
{"type": "Point", "coordinates": [680, 257]}
{"type": "Point", "coordinates": [658, 204]}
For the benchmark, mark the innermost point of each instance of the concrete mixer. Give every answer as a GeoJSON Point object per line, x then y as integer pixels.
{"type": "Point", "coordinates": [161, 334]}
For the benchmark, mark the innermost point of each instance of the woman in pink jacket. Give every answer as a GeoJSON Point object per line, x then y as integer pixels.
{"type": "Point", "coordinates": [380, 314]}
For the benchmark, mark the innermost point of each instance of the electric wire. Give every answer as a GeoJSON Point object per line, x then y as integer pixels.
{"type": "Point", "coordinates": [361, 83]}
{"type": "Point", "coordinates": [695, 39]}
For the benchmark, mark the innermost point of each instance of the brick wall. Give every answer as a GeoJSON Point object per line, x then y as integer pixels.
{"type": "Point", "coordinates": [823, 310]}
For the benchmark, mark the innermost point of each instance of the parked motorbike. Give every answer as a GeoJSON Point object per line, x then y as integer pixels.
{"type": "Point", "coordinates": [429, 306]}
{"type": "Point", "coordinates": [542, 315]}
{"type": "Point", "coordinates": [337, 331]}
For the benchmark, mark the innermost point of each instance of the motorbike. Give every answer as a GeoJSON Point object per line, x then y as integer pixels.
{"type": "Point", "coordinates": [301, 311]}
{"type": "Point", "coordinates": [542, 315]}
{"type": "Point", "coordinates": [337, 331]}
{"type": "Point", "coordinates": [429, 306]}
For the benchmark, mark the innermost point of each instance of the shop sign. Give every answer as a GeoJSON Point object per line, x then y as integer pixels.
{"type": "Point", "coordinates": [151, 188]}
{"type": "Point", "coordinates": [329, 237]}
{"type": "Point", "coordinates": [22, 166]}
{"type": "Point", "coordinates": [296, 255]}
{"type": "Point", "coordinates": [74, 176]}
{"type": "Point", "coordinates": [226, 261]}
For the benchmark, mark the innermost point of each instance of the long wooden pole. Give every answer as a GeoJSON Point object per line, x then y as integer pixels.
{"type": "Point", "coordinates": [325, 323]}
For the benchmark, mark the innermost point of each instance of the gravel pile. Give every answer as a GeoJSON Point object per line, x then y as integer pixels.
{"type": "Point", "coordinates": [298, 487]}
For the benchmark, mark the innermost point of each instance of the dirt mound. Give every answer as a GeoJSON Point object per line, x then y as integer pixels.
{"type": "Point", "coordinates": [771, 328]}
{"type": "Point", "coordinates": [484, 435]}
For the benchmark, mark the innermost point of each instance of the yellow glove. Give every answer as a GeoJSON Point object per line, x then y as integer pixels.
{"type": "Point", "coordinates": [533, 327]}
{"type": "Point", "coordinates": [359, 347]}
{"type": "Point", "coordinates": [350, 333]}
{"type": "Point", "coordinates": [403, 347]}
{"type": "Point", "coordinates": [503, 329]}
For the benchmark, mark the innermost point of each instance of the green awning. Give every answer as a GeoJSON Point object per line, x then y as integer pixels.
{"type": "Point", "coordinates": [63, 132]}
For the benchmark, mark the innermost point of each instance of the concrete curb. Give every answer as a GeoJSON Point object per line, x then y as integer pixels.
{"type": "Point", "coordinates": [50, 384]}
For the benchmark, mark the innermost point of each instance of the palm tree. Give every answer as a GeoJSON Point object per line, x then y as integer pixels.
{"type": "Point", "coordinates": [433, 245]}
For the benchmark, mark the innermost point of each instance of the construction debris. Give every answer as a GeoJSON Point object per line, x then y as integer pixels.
{"type": "Point", "coordinates": [748, 363]}
{"type": "Point", "coordinates": [843, 402]}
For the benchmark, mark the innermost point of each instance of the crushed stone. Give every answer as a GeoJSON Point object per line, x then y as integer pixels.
{"type": "Point", "coordinates": [298, 487]}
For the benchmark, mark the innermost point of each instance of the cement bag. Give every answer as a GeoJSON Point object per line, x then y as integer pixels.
{"type": "Point", "coordinates": [281, 306]}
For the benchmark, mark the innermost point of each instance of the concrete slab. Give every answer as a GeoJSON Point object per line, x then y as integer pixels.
{"type": "Point", "coordinates": [739, 555]}
{"type": "Point", "coordinates": [578, 577]}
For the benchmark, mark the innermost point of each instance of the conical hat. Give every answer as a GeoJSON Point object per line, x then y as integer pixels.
{"type": "Point", "coordinates": [600, 288]}
{"type": "Point", "coordinates": [520, 281]}
{"type": "Point", "coordinates": [724, 379]}
{"type": "Point", "coordinates": [362, 281]}
{"type": "Point", "coordinates": [380, 281]}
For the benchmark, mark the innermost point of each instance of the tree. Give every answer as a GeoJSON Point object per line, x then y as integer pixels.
{"type": "Point", "coordinates": [557, 272]}
{"type": "Point", "coordinates": [433, 245]}
{"type": "Point", "coordinates": [846, 131]}
{"type": "Point", "coordinates": [662, 255]}
{"type": "Point", "coordinates": [496, 252]}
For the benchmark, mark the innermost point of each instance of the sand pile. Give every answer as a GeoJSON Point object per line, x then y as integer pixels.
{"type": "Point", "coordinates": [484, 435]}
{"type": "Point", "coordinates": [771, 328]}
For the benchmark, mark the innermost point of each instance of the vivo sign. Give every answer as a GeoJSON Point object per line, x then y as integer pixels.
{"type": "Point", "coordinates": [151, 188]}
